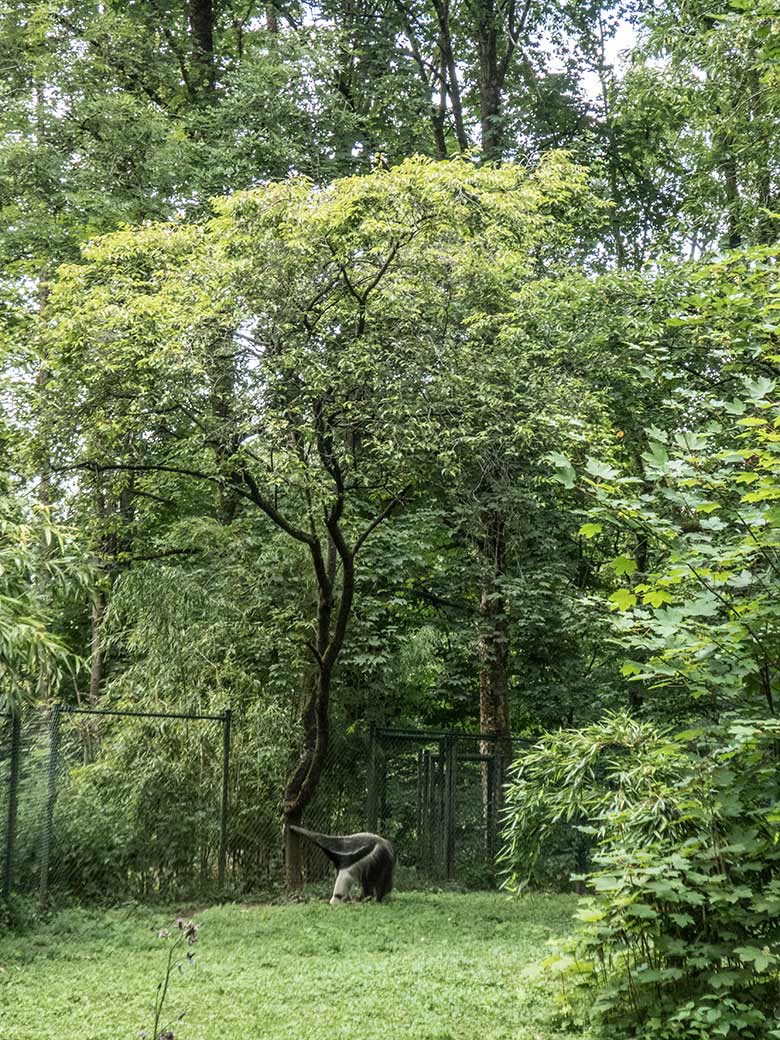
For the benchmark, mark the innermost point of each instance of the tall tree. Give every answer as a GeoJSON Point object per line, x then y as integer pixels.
{"type": "Point", "coordinates": [344, 314]}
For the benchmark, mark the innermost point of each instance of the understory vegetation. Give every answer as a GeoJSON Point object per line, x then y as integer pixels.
{"type": "Point", "coordinates": [681, 933]}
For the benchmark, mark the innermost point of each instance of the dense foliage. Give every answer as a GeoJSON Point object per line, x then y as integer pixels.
{"type": "Point", "coordinates": [411, 364]}
{"type": "Point", "coordinates": [682, 828]}
{"type": "Point", "coordinates": [682, 934]}
{"type": "Point", "coordinates": [40, 564]}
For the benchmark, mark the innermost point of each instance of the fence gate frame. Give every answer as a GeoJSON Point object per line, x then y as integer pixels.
{"type": "Point", "coordinates": [437, 793]}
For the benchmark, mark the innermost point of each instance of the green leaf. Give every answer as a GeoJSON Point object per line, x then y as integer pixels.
{"type": "Point", "coordinates": [591, 530]}
{"type": "Point", "coordinates": [735, 407]}
{"type": "Point", "coordinates": [683, 920]}
{"type": "Point", "coordinates": [600, 469]}
{"type": "Point", "coordinates": [564, 471]}
{"type": "Point", "coordinates": [623, 599]}
{"type": "Point", "coordinates": [629, 668]}
{"type": "Point", "coordinates": [654, 434]}
{"type": "Point", "coordinates": [642, 910]}
{"type": "Point", "coordinates": [760, 958]}
{"type": "Point", "coordinates": [656, 458]}
{"type": "Point", "coordinates": [657, 598]}
{"type": "Point", "coordinates": [759, 388]}
{"type": "Point", "coordinates": [607, 883]}
{"type": "Point", "coordinates": [624, 565]}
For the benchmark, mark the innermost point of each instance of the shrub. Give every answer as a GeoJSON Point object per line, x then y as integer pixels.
{"type": "Point", "coordinates": [564, 791]}
{"type": "Point", "coordinates": [681, 937]}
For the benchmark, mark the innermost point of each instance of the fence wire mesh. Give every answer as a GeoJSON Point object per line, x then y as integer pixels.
{"type": "Point", "coordinates": [339, 807]}
{"type": "Point", "coordinates": [254, 847]}
{"type": "Point", "coordinates": [101, 818]}
{"type": "Point", "coordinates": [159, 831]}
{"type": "Point", "coordinates": [5, 791]}
{"type": "Point", "coordinates": [101, 806]}
{"type": "Point", "coordinates": [438, 796]}
{"type": "Point", "coordinates": [24, 746]}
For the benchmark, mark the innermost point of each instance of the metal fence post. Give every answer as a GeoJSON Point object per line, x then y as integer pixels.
{"type": "Point", "coordinates": [427, 829]}
{"type": "Point", "coordinates": [490, 810]}
{"type": "Point", "coordinates": [440, 854]}
{"type": "Point", "coordinates": [418, 827]}
{"type": "Point", "coordinates": [372, 806]}
{"type": "Point", "coordinates": [223, 828]}
{"type": "Point", "coordinates": [13, 794]}
{"type": "Point", "coordinates": [449, 808]}
{"type": "Point", "coordinates": [51, 795]}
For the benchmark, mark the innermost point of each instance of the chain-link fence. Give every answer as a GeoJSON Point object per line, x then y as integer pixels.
{"type": "Point", "coordinates": [22, 800]}
{"type": "Point", "coordinates": [438, 796]}
{"type": "Point", "coordinates": [339, 807]}
{"type": "Point", "coordinates": [89, 813]}
{"type": "Point", "coordinates": [100, 805]}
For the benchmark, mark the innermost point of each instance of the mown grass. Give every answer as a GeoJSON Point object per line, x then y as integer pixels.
{"type": "Point", "coordinates": [428, 966]}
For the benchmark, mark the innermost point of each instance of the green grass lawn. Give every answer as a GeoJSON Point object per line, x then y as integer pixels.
{"type": "Point", "coordinates": [423, 966]}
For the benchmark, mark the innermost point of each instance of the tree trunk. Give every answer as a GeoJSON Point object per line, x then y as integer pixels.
{"type": "Point", "coordinates": [494, 659]}
{"type": "Point", "coordinates": [765, 679]}
{"type": "Point", "coordinates": [304, 781]}
{"type": "Point", "coordinates": [293, 852]}
{"type": "Point", "coordinates": [489, 83]}
{"type": "Point", "coordinates": [728, 167]}
{"type": "Point", "coordinates": [96, 647]}
{"type": "Point", "coordinates": [114, 515]}
{"type": "Point", "coordinates": [439, 110]}
{"type": "Point", "coordinates": [200, 14]}
{"type": "Point", "coordinates": [614, 213]}
{"type": "Point", "coordinates": [438, 115]}
{"type": "Point", "coordinates": [450, 71]}
{"type": "Point", "coordinates": [41, 382]}
{"type": "Point", "coordinates": [766, 229]}
{"type": "Point", "coordinates": [726, 162]}
{"type": "Point", "coordinates": [225, 441]}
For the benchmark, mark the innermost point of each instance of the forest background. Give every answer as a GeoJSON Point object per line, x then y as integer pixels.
{"type": "Point", "coordinates": [411, 363]}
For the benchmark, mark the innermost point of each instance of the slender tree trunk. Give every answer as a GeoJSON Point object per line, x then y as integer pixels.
{"type": "Point", "coordinates": [106, 548]}
{"type": "Point", "coordinates": [765, 674]}
{"type": "Point", "coordinates": [225, 437]}
{"type": "Point", "coordinates": [450, 70]}
{"type": "Point", "coordinates": [96, 647]}
{"type": "Point", "coordinates": [489, 82]}
{"type": "Point", "coordinates": [494, 658]}
{"type": "Point", "coordinates": [302, 785]}
{"type": "Point", "coordinates": [115, 515]}
{"type": "Point", "coordinates": [726, 162]}
{"type": "Point", "coordinates": [44, 499]}
{"type": "Point", "coordinates": [438, 116]}
{"type": "Point", "coordinates": [728, 168]}
{"type": "Point", "coordinates": [42, 376]}
{"type": "Point", "coordinates": [200, 14]}
{"type": "Point", "coordinates": [304, 781]}
{"type": "Point", "coordinates": [614, 213]}
{"type": "Point", "coordinates": [612, 150]}
{"type": "Point", "coordinates": [766, 231]}
{"type": "Point", "coordinates": [438, 110]}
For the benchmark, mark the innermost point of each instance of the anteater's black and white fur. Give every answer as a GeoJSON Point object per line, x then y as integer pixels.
{"type": "Point", "coordinates": [367, 859]}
